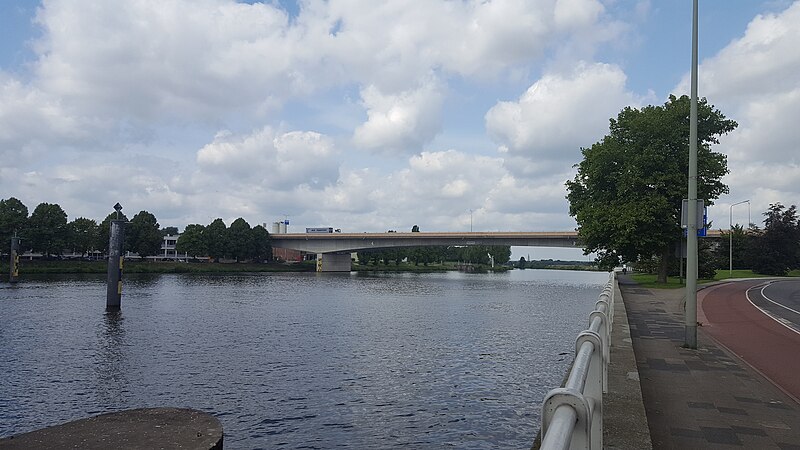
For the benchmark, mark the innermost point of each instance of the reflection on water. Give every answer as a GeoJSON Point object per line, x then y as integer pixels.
{"type": "Point", "coordinates": [300, 360]}
{"type": "Point", "coordinates": [110, 365]}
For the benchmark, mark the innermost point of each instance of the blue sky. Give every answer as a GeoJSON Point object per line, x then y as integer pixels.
{"type": "Point", "coordinates": [370, 116]}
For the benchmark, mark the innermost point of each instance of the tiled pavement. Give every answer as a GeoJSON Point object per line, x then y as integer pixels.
{"type": "Point", "coordinates": [704, 398]}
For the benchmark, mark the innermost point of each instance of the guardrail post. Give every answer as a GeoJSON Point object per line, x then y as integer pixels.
{"type": "Point", "coordinates": [582, 433]}
{"type": "Point", "coordinates": [593, 390]}
{"type": "Point", "coordinates": [605, 343]}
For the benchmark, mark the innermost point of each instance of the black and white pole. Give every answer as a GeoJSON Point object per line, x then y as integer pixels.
{"type": "Point", "coordinates": [13, 273]}
{"type": "Point", "coordinates": [115, 262]}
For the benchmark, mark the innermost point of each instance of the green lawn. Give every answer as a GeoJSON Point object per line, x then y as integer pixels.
{"type": "Point", "coordinates": [649, 280]}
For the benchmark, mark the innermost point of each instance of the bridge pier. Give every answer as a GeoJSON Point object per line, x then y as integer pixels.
{"type": "Point", "coordinates": [333, 262]}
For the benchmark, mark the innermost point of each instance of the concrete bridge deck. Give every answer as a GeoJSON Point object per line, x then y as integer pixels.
{"type": "Point", "coordinates": [348, 242]}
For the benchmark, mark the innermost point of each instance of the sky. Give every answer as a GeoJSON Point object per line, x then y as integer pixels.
{"type": "Point", "coordinates": [370, 116]}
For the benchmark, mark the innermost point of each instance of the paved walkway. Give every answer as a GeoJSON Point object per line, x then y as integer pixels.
{"type": "Point", "coordinates": [705, 398]}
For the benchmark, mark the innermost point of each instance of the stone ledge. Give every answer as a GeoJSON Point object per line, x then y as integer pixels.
{"type": "Point", "coordinates": [166, 428]}
{"type": "Point", "coordinates": [624, 419]}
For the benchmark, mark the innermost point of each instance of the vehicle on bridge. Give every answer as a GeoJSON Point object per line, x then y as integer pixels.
{"type": "Point", "coordinates": [322, 230]}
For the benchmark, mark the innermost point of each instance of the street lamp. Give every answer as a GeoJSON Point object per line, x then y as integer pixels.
{"type": "Point", "coordinates": [730, 233]}
{"type": "Point", "coordinates": [470, 221]}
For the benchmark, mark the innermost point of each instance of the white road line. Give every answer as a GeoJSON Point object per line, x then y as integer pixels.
{"type": "Point", "coordinates": [773, 301]}
{"type": "Point", "coordinates": [767, 313]}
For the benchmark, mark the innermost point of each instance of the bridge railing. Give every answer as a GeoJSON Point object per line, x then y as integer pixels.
{"type": "Point", "coordinates": [572, 416]}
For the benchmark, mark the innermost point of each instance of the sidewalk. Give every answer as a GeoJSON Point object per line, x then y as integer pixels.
{"type": "Point", "coordinates": [704, 398]}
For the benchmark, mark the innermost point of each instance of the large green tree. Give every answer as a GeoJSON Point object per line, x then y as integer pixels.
{"type": "Point", "coordinates": [47, 229]}
{"type": "Point", "coordinates": [777, 247]}
{"type": "Point", "coordinates": [216, 238]}
{"type": "Point", "coordinates": [13, 218]}
{"type": "Point", "coordinates": [191, 241]}
{"type": "Point", "coordinates": [240, 240]}
{"type": "Point", "coordinates": [262, 248]}
{"type": "Point", "coordinates": [626, 196]}
{"type": "Point", "coordinates": [83, 234]}
{"type": "Point", "coordinates": [143, 234]}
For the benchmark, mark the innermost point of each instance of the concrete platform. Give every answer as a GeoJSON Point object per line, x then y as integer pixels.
{"type": "Point", "coordinates": [156, 428]}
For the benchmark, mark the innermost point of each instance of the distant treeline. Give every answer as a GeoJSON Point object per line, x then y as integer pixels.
{"type": "Point", "coordinates": [46, 231]}
{"type": "Point", "coordinates": [554, 264]}
{"type": "Point", "coordinates": [476, 254]}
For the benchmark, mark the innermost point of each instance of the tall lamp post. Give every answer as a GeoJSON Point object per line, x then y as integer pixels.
{"type": "Point", "coordinates": [470, 221]}
{"type": "Point", "coordinates": [690, 322]}
{"type": "Point", "coordinates": [730, 233]}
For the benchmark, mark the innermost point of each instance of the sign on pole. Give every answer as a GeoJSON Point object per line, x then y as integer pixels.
{"type": "Point", "coordinates": [701, 220]}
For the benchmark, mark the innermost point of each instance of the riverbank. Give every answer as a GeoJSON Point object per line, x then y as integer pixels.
{"type": "Point", "coordinates": [135, 266]}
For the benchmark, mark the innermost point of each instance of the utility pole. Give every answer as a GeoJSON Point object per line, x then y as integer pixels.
{"type": "Point", "coordinates": [470, 220]}
{"type": "Point", "coordinates": [691, 232]}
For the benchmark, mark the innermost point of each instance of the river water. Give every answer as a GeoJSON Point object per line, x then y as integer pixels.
{"type": "Point", "coordinates": [299, 360]}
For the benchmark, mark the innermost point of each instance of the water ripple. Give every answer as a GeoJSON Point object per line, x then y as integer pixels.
{"type": "Point", "coordinates": [299, 360]}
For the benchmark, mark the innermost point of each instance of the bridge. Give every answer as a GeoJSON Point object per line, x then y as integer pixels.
{"type": "Point", "coordinates": [333, 249]}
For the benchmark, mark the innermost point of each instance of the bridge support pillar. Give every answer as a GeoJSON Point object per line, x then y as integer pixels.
{"type": "Point", "coordinates": [333, 262]}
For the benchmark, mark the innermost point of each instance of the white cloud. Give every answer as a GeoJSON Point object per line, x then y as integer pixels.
{"type": "Point", "coordinates": [401, 122]}
{"type": "Point", "coordinates": [33, 123]}
{"type": "Point", "coordinates": [559, 114]}
{"type": "Point", "coordinates": [271, 159]}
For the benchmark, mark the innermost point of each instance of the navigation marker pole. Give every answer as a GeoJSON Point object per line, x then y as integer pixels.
{"type": "Point", "coordinates": [691, 232]}
{"type": "Point", "coordinates": [115, 240]}
{"type": "Point", "coordinates": [13, 272]}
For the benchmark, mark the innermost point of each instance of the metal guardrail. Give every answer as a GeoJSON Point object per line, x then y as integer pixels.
{"type": "Point", "coordinates": [572, 416]}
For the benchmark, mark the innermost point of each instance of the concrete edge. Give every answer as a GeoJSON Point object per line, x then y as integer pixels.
{"type": "Point", "coordinates": [624, 417]}
{"type": "Point", "coordinates": [131, 429]}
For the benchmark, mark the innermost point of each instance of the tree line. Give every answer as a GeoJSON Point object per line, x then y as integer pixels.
{"type": "Point", "coordinates": [772, 250]}
{"type": "Point", "coordinates": [476, 254]}
{"type": "Point", "coordinates": [48, 232]}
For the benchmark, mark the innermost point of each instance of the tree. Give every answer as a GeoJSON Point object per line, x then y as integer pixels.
{"type": "Point", "coordinates": [143, 234]}
{"type": "Point", "coordinates": [83, 234]}
{"type": "Point", "coordinates": [778, 245]}
{"type": "Point", "coordinates": [13, 218]}
{"type": "Point", "coordinates": [169, 231]}
{"type": "Point", "coordinates": [500, 253]}
{"type": "Point", "coordinates": [262, 248]}
{"type": "Point", "coordinates": [722, 253]}
{"type": "Point", "coordinates": [626, 196]}
{"type": "Point", "coordinates": [191, 241]}
{"type": "Point", "coordinates": [240, 244]}
{"type": "Point", "coordinates": [415, 229]}
{"type": "Point", "coordinates": [216, 238]}
{"type": "Point", "coordinates": [522, 262]}
{"type": "Point", "coordinates": [47, 229]}
{"type": "Point", "coordinates": [104, 229]}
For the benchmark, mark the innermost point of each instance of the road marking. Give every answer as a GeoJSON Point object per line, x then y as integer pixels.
{"type": "Point", "coordinates": [773, 301]}
{"type": "Point", "coordinates": [767, 313]}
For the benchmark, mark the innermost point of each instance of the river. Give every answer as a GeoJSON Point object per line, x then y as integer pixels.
{"type": "Point", "coordinates": [299, 360]}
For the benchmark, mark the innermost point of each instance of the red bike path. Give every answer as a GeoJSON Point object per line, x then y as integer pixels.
{"type": "Point", "coordinates": [769, 347]}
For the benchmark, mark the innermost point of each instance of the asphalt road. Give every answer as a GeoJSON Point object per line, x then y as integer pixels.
{"type": "Point", "coordinates": [780, 300]}
{"type": "Point", "coordinates": [758, 321]}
